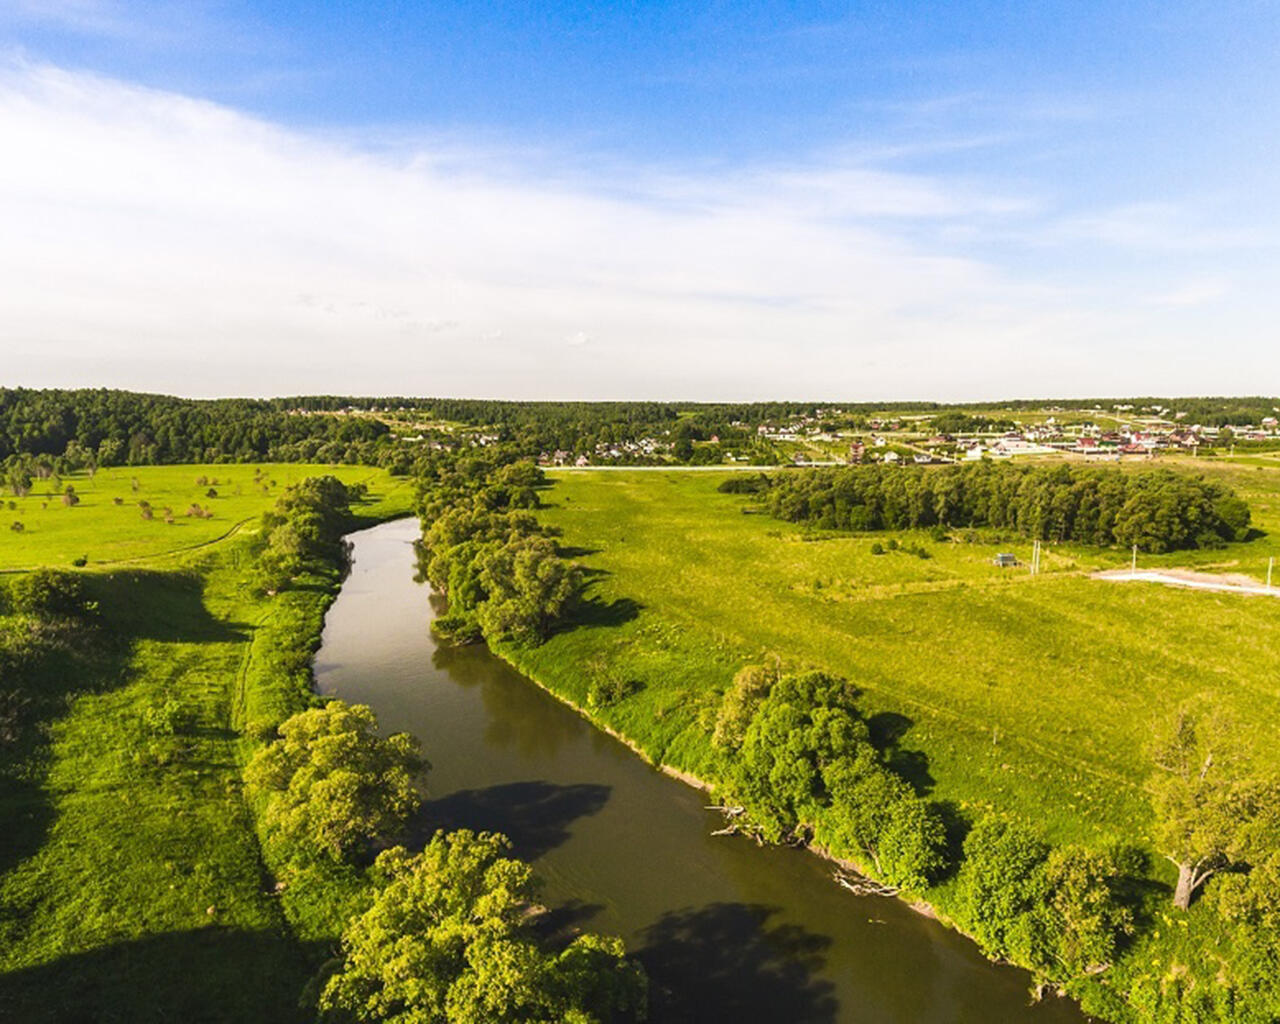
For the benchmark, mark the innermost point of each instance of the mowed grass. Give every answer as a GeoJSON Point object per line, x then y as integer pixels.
{"type": "Point", "coordinates": [131, 886]}
{"type": "Point", "coordinates": [105, 533]}
{"type": "Point", "coordinates": [1031, 695]}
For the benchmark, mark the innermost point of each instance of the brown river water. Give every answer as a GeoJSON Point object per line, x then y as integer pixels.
{"type": "Point", "coordinates": [728, 931]}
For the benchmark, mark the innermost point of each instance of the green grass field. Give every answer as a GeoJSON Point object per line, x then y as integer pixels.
{"type": "Point", "coordinates": [131, 886]}
{"type": "Point", "coordinates": [106, 533]}
{"type": "Point", "coordinates": [1033, 695]}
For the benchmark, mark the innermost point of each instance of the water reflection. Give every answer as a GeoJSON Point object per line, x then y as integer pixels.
{"type": "Point", "coordinates": [514, 720]}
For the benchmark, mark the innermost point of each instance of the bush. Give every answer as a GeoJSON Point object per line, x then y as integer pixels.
{"type": "Point", "coordinates": [604, 693]}
{"type": "Point", "coordinates": [165, 718]}
{"type": "Point", "coordinates": [45, 592]}
{"type": "Point", "coordinates": [456, 630]}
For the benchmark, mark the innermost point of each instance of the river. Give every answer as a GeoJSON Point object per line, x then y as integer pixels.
{"type": "Point", "coordinates": [727, 931]}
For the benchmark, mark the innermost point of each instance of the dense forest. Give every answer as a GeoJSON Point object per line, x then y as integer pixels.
{"type": "Point", "coordinates": [1156, 510]}
{"type": "Point", "coordinates": [117, 428]}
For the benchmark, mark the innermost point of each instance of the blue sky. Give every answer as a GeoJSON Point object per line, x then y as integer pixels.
{"type": "Point", "coordinates": [713, 200]}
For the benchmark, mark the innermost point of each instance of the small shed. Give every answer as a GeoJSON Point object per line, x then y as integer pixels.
{"type": "Point", "coordinates": [1005, 561]}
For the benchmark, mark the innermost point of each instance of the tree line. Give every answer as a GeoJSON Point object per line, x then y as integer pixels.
{"type": "Point", "coordinates": [1158, 510]}
{"type": "Point", "coordinates": [88, 428]}
{"type": "Point", "coordinates": [799, 764]}
{"type": "Point", "coordinates": [482, 548]}
{"type": "Point", "coordinates": [444, 931]}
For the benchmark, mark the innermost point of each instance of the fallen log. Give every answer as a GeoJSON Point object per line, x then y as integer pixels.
{"type": "Point", "coordinates": [860, 885]}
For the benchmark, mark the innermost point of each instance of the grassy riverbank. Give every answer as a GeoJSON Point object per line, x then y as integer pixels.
{"type": "Point", "coordinates": [132, 885]}
{"type": "Point", "coordinates": [1034, 695]}
{"type": "Point", "coordinates": [994, 691]}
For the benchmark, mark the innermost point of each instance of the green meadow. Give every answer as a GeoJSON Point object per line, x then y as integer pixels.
{"type": "Point", "coordinates": [996, 689]}
{"type": "Point", "coordinates": [107, 525]}
{"type": "Point", "coordinates": [131, 886]}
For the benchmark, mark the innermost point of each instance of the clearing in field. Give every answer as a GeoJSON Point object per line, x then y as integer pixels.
{"type": "Point", "coordinates": [998, 689]}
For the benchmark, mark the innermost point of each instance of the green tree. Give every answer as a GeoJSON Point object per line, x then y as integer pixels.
{"type": "Point", "coordinates": [1080, 924]}
{"type": "Point", "coordinates": [529, 588]}
{"type": "Point", "coordinates": [749, 687]}
{"type": "Point", "coordinates": [447, 940]}
{"type": "Point", "coordinates": [1200, 798]}
{"type": "Point", "coordinates": [806, 723]}
{"type": "Point", "coordinates": [331, 784]}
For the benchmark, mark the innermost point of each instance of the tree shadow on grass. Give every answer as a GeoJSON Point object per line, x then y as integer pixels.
{"type": "Point", "coordinates": [65, 658]}
{"type": "Point", "coordinates": [887, 730]}
{"type": "Point", "coordinates": [592, 612]}
{"type": "Point", "coordinates": [536, 816]}
{"type": "Point", "coordinates": [572, 551]}
{"type": "Point", "coordinates": [139, 604]}
{"type": "Point", "coordinates": [27, 815]}
{"type": "Point", "coordinates": [215, 975]}
{"type": "Point", "coordinates": [725, 962]}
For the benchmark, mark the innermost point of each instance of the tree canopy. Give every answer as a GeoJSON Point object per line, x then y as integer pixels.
{"type": "Point", "coordinates": [448, 940]}
{"type": "Point", "coordinates": [331, 785]}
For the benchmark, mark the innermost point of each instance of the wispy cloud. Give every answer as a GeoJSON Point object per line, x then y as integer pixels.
{"type": "Point", "coordinates": [153, 240]}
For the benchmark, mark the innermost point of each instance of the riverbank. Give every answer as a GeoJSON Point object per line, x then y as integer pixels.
{"type": "Point", "coordinates": [726, 929]}
{"type": "Point", "coordinates": [511, 655]}
{"type": "Point", "coordinates": [133, 887]}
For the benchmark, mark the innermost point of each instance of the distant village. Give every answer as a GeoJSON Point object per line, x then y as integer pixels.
{"type": "Point", "coordinates": [803, 441]}
{"type": "Point", "coordinates": [834, 436]}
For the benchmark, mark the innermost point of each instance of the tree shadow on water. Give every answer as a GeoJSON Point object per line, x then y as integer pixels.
{"type": "Point", "coordinates": [536, 816]}
{"type": "Point", "coordinates": [725, 962]}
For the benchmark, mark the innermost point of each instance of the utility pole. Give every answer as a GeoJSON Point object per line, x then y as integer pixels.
{"type": "Point", "coordinates": [1134, 567]}
{"type": "Point", "coordinates": [1270, 566]}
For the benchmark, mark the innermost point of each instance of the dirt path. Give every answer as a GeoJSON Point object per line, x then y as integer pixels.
{"type": "Point", "coordinates": [1227, 584]}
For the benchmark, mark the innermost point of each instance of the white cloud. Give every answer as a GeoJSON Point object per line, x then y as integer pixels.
{"type": "Point", "coordinates": [155, 241]}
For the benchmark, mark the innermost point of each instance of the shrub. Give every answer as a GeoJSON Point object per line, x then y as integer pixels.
{"type": "Point", "coordinates": [44, 592]}
{"type": "Point", "coordinates": [603, 693]}
{"type": "Point", "coordinates": [166, 718]}
{"type": "Point", "coordinates": [456, 630]}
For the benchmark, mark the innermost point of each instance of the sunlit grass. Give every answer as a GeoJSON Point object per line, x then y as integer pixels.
{"type": "Point", "coordinates": [104, 532]}
{"type": "Point", "coordinates": [1034, 695]}
{"type": "Point", "coordinates": [132, 886]}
